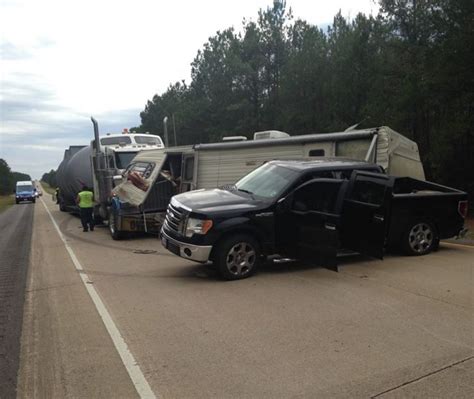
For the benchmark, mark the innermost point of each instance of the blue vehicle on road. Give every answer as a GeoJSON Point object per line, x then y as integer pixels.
{"type": "Point", "coordinates": [25, 191]}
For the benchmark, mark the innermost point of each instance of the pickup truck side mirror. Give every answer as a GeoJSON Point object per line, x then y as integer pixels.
{"type": "Point", "coordinates": [284, 203]}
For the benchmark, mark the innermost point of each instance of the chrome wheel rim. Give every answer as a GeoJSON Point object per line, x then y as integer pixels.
{"type": "Point", "coordinates": [112, 224]}
{"type": "Point", "coordinates": [241, 258]}
{"type": "Point", "coordinates": [420, 237]}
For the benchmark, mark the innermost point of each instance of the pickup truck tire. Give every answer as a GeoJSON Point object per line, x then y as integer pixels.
{"type": "Point", "coordinates": [420, 238]}
{"type": "Point", "coordinates": [114, 233]}
{"type": "Point", "coordinates": [237, 257]}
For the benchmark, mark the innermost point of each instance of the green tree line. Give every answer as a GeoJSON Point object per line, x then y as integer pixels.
{"type": "Point", "coordinates": [409, 67]}
{"type": "Point", "coordinates": [50, 178]}
{"type": "Point", "coordinates": [8, 178]}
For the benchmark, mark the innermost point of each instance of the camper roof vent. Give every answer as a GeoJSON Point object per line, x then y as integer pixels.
{"type": "Point", "coordinates": [270, 134]}
{"type": "Point", "coordinates": [234, 138]}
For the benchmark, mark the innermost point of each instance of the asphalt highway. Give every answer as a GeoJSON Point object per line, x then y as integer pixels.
{"type": "Point", "coordinates": [16, 226]}
{"type": "Point", "coordinates": [126, 319]}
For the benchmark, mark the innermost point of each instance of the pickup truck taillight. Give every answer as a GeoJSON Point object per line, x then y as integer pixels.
{"type": "Point", "coordinates": [462, 208]}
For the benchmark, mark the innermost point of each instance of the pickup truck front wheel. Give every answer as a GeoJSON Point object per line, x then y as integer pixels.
{"type": "Point", "coordinates": [237, 257]}
{"type": "Point", "coordinates": [420, 239]}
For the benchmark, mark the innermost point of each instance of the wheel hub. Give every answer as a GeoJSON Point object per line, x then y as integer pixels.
{"type": "Point", "coordinates": [420, 237]}
{"type": "Point", "coordinates": [241, 258]}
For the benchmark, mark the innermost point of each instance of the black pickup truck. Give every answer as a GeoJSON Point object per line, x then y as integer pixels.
{"type": "Point", "coordinates": [310, 210]}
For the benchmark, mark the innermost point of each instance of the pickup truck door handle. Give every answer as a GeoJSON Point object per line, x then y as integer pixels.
{"type": "Point", "coordinates": [379, 218]}
{"type": "Point", "coordinates": [329, 226]}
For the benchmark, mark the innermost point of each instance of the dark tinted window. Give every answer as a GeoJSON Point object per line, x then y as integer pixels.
{"type": "Point", "coordinates": [115, 140]}
{"type": "Point", "coordinates": [189, 169]}
{"type": "Point", "coordinates": [368, 191]}
{"type": "Point", "coordinates": [316, 153]}
{"type": "Point", "coordinates": [317, 196]}
{"type": "Point", "coordinates": [346, 174]}
{"type": "Point", "coordinates": [122, 159]}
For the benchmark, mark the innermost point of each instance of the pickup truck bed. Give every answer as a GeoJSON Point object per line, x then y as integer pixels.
{"type": "Point", "coordinates": [414, 200]}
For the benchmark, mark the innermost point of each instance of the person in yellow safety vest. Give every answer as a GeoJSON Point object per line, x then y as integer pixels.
{"type": "Point", "coordinates": [85, 201]}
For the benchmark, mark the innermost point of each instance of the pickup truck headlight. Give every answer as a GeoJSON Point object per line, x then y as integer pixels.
{"type": "Point", "coordinates": [197, 226]}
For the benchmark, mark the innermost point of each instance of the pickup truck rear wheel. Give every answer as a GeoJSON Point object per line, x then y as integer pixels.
{"type": "Point", "coordinates": [237, 257]}
{"type": "Point", "coordinates": [420, 239]}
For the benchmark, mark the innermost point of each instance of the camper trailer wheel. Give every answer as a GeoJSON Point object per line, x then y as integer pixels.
{"type": "Point", "coordinates": [420, 238]}
{"type": "Point", "coordinates": [237, 257]}
{"type": "Point", "coordinates": [114, 232]}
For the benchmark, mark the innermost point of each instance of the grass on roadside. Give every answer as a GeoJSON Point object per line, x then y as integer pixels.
{"type": "Point", "coordinates": [6, 201]}
{"type": "Point", "coordinates": [47, 187]}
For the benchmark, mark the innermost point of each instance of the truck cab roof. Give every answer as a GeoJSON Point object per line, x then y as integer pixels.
{"type": "Point", "coordinates": [325, 163]}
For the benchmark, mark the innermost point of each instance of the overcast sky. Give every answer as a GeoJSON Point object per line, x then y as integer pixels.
{"type": "Point", "coordinates": [63, 61]}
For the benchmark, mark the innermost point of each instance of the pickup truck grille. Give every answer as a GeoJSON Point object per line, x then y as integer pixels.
{"type": "Point", "coordinates": [175, 219]}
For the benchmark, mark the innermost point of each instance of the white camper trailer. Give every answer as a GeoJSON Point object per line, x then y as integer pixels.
{"type": "Point", "coordinates": [154, 177]}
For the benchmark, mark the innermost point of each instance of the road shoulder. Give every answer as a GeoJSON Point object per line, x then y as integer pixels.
{"type": "Point", "coordinates": [66, 350]}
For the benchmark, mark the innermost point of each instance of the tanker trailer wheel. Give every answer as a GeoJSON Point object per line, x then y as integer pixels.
{"type": "Point", "coordinates": [114, 232]}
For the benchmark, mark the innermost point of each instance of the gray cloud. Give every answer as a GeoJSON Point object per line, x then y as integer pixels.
{"type": "Point", "coordinates": [35, 130]}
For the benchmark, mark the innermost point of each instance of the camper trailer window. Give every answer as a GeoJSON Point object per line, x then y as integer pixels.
{"type": "Point", "coordinates": [115, 140]}
{"type": "Point", "coordinates": [189, 169]}
{"type": "Point", "coordinates": [316, 153]}
{"type": "Point", "coordinates": [267, 181]}
{"type": "Point", "coordinates": [123, 159]}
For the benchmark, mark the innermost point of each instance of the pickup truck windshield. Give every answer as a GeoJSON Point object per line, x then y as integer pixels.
{"type": "Point", "coordinates": [268, 181]}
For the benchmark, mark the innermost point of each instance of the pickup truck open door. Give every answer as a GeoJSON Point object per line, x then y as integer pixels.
{"type": "Point", "coordinates": [326, 215]}
{"type": "Point", "coordinates": [310, 228]}
{"type": "Point", "coordinates": [365, 213]}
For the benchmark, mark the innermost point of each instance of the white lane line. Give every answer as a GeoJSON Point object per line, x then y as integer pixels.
{"type": "Point", "coordinates": [133, 369]}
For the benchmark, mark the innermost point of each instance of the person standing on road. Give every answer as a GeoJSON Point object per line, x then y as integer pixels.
{"type": "Point", "coordinates": [85, 201]}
